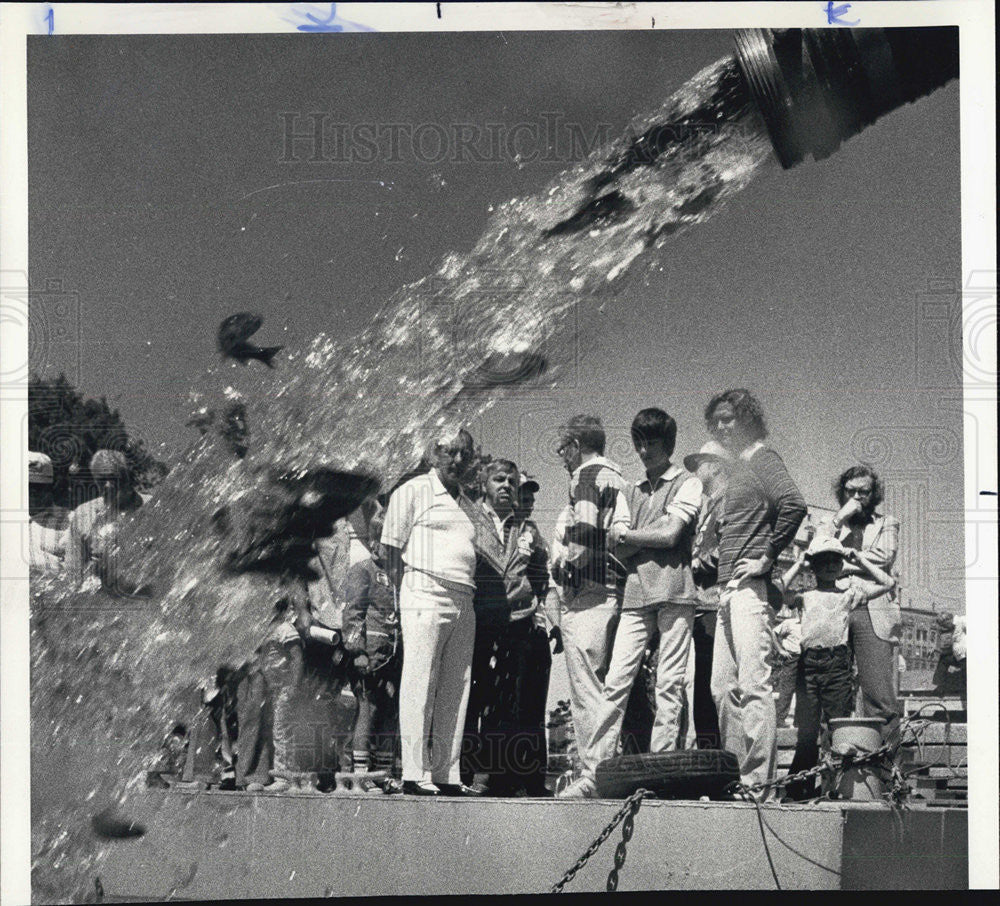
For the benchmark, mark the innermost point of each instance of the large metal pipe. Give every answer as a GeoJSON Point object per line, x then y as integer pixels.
{"type": "Point", "coordinates": [816, 87]}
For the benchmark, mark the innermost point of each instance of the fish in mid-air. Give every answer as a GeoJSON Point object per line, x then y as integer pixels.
{"type": "Point", "coordinates": [233, 339]}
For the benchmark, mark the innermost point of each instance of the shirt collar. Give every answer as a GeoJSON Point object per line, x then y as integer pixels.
{"type": "Point", "coordinates": [438, 485]}
{"type": "Point", "coordinates": [596, 461]}
{"type": "Point", "coordinates": [499, 521]}
{"type": "Point", "coordinates": [747, 452]}
{"type": "Point", "coordinates": [672, 471]}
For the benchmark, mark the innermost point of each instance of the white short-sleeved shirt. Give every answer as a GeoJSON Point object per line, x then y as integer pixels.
{"type": "Point", "coordinates": [434, 533]}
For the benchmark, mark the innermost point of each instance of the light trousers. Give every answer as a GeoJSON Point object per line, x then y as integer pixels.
{"type": "Point", "coordinates": [875, 658]}
{"type": "Point", "coordinates": [439, 631]}
{"type": "Point", "coordinates": [741, 679]}
{"type": "Point", "coordinates": [635, 629]}
{"type": "Point", "coordinates": [588, 627]}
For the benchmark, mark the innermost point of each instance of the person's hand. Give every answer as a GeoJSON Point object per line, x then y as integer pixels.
{"type": "Point", "coordinates": [855, 597]}
{"type": "Point", "coordinates": [616, 533]}
{"type": "Point", "coordinates": [750, 567]}
{"type": "Point", "coordinates": [555, 635]}
{"type": "Point", "coordinates": [361, 662]}
{"type": "Point", "coordinates": [847, 512]}
{"type": "Point", "coordinates": [303, 620]}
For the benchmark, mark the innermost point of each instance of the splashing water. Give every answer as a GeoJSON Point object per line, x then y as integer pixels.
{"type": "Point", "coordinates": [107, 676]}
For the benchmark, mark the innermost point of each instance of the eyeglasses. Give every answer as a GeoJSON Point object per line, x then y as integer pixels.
{"type": "Point", "coordinates": [565, 445]}
{"type": "Point", "coordinates": [865, 491]}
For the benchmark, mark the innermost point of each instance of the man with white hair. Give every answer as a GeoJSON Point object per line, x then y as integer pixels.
{"type": "Point", "coordinates": [46, 522]}
{"type": "Point", "coordinates": [427, 541]}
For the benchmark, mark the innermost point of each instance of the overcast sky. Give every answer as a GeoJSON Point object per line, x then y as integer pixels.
{"type": "Point", "coordinates": [159, 195]}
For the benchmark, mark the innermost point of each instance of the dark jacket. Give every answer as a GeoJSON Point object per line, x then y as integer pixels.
{"type": "Point", "coordinates": [509, 575]}
{"type": "Point", "coordinates": [370, 622]}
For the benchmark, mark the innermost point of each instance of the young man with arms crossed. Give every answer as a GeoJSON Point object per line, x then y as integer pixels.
{"type": "Point", "coordinates": [659, 593]}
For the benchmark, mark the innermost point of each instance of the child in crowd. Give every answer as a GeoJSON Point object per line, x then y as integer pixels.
{"type": "Point", "coordinates": [824, 685]}
{"type": "Point", "coordinates": [787, 644]}
{"type": "Point", "coordinates": [372, 639]}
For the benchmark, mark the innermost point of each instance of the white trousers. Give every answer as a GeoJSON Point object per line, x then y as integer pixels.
{"type": "Point", "coordinates": [439, 631]}
{"type": "Point", "coordinates": [635, 629]}
{"type": "Point", "coordinates": [587, 631]}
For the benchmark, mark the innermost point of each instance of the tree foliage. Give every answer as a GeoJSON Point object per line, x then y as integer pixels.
{"type": "Point", "coordinates": [70, 429]}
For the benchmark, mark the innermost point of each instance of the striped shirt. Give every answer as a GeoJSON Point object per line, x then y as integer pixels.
{"type": "Point", "coordinates": [763, 510]}
{"type": "Point", "coordinates": [597, 498]}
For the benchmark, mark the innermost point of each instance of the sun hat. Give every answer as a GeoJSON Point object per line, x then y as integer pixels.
{"type": "Point", "coordinates": [825, 545]}
{"type": "Point", "coordinates": [712, 451]}
{"type": "Point", "coordinates": [39, 468]}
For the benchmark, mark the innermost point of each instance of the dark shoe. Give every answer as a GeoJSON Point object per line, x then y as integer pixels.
{"type": "Point", "coordinates": [391, 786]}
{"type": "Point", "coordinates": [541, 792]}
{"type": "Point", "coordinates": [420, 788]}
{"type": "Point", "coordinates": [458, 789]}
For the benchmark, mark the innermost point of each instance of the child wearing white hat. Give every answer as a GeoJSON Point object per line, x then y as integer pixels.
{"type": "Point", "coordinates": [824, 686]}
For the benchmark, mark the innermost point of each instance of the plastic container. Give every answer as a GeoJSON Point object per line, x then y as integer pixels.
{"type": "Point", "coordinates": [856, 735]}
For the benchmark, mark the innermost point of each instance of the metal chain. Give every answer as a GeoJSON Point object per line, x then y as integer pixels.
{"type": "Point", "coordinates": [628, 826]}
{"type": "Point", "coordinates": [625, 813]}
{"type": "Point", "coordinates": [822, 768]}
{"type": "Point", "coordinates": [628, 810]}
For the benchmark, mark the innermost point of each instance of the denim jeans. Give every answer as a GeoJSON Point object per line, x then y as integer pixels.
{"type": "Point", "coordinates": [824, 690]}
{"type": "Point", "coordinates": [741, 679]}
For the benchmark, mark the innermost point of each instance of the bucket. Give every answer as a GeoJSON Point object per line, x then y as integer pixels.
{"type": "Point", "coordinates": [856, 735]}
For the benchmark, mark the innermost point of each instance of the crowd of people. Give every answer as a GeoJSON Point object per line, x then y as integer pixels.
{"type": "Point", "coordinates": [446, 624]}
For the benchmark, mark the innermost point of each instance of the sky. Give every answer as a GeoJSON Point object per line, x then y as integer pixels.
{"type": "Point", "coordinates": [162, 199]}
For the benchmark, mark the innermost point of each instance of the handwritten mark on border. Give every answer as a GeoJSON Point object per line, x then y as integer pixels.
{"type": "Point", "coordinates": [834, 14]}
{"type": "Point", "coordinates": [320, 22]}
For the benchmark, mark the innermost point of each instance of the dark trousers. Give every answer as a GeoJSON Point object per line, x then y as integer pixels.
{"type": "Point", "coordinates": [824, 690]}
{"type": "Point", "coordinates": [706, 719]}
{"type": "Point", "coordinates": [505, 722]}
{"type": "Point", "coordinates": [377, 726]}
{"type": "Point", "coordinates": [874, 657]}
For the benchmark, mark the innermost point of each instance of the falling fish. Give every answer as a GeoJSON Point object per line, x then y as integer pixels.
{"type": "Point", "coordinates": [234, 332]}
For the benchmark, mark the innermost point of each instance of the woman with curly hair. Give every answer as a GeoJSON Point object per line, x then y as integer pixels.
{"type": "Point", "coordinates": [762, 511]}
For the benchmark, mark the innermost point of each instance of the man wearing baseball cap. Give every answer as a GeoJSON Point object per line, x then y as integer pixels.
{"type": "Point", "coordinates": [46, 521]}
{"type": "Point", "coordinates": [709, 465]}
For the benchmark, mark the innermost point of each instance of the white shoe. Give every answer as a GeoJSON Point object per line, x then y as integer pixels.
{"type": "Point", "coordinates": [581, 788]}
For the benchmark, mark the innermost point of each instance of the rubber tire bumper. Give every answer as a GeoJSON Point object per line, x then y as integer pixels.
{"type": "Point", "coordinates": [684, 774]}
